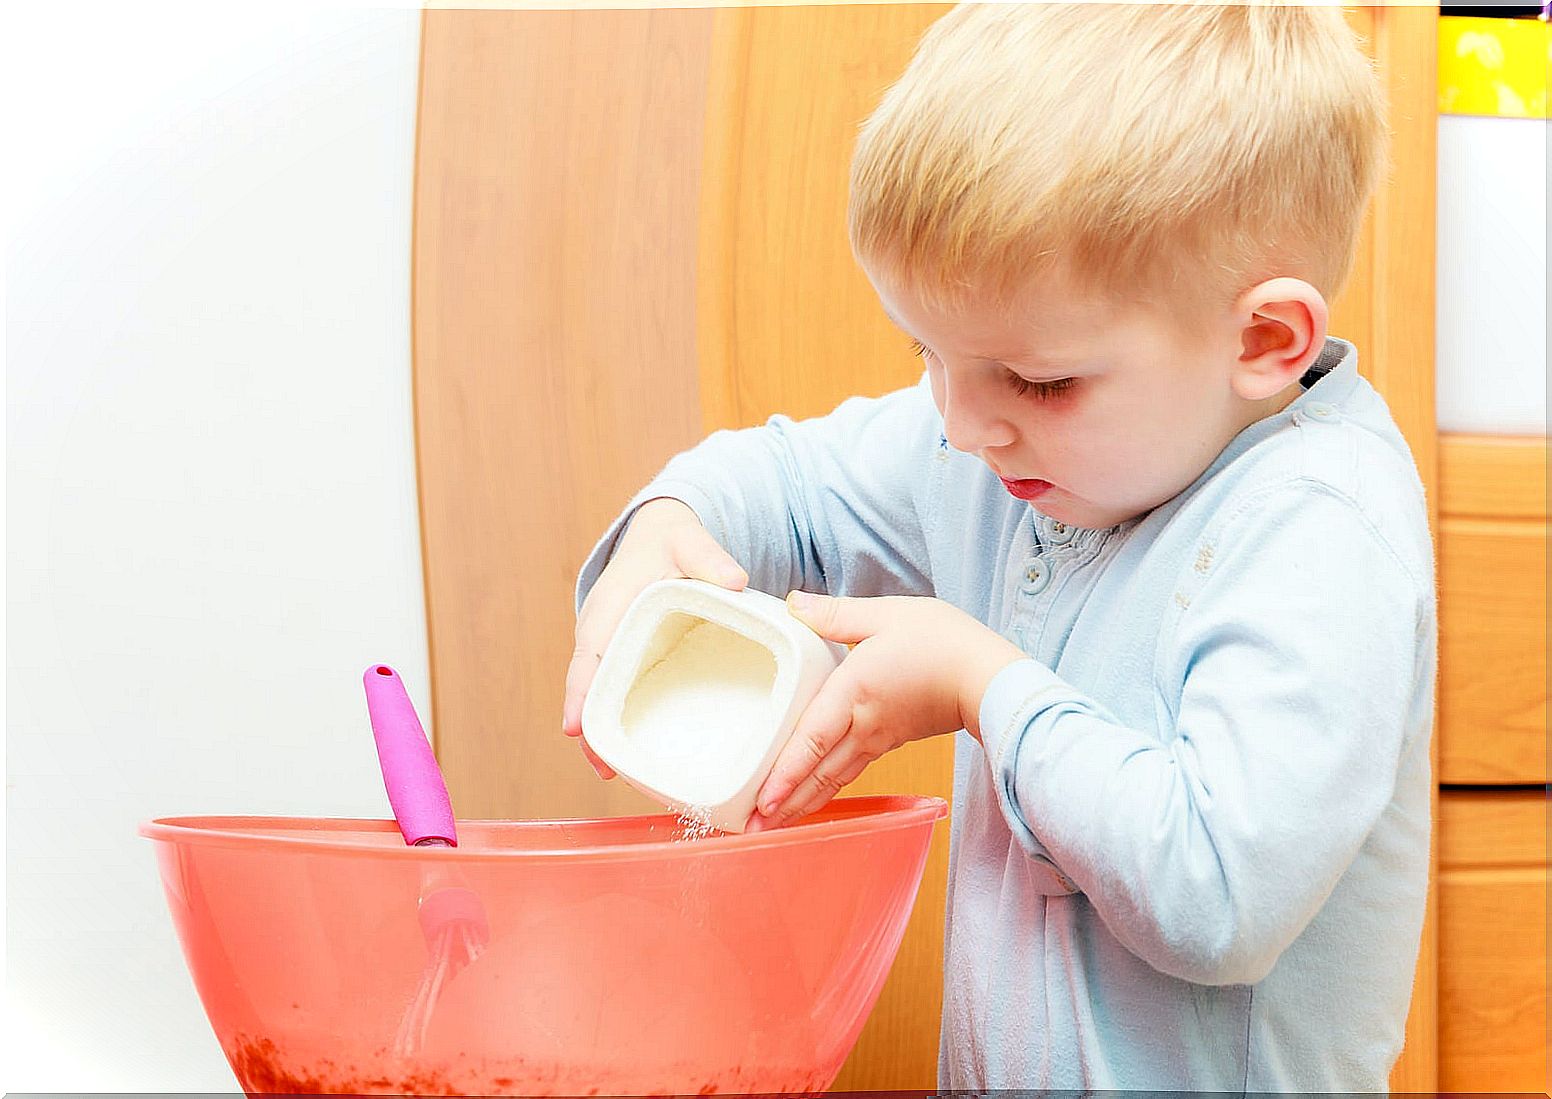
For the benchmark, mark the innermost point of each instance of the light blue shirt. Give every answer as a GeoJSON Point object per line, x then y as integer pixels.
{"type": "Point", "coordinates": [1191, 849]}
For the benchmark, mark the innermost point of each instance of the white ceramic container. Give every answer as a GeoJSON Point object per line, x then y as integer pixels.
{"type": "Point", "coordinates": [699, 691]}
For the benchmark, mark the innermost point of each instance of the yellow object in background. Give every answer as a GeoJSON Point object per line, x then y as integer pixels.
{"type": "Point", "coordinates": [1494, 66]}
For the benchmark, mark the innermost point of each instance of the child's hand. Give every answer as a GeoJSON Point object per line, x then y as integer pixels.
{"type": "Point", "coordinates": [919, 667]}
{"type": "Point", "coordinates": [665, 541]}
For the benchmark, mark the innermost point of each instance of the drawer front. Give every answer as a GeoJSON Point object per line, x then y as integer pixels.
{"type": "Point", "coordinates": [1492, 941]}
{"type": "Point", "coordinates": [1492, 610]}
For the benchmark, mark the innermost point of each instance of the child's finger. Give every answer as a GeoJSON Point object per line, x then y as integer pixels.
{"type": "Point", "coordinates": [579, 676]}
{"type": "Point", "coordinates": [699, 556]}
{"type": "Point", "coordinates": [827, 780]}
{"type": "Point", "coordinates": [824, 724]}
{"type": "Point", "coordinates": [601, 613]}
{"type": "Point", "coordinates": [840, 618]}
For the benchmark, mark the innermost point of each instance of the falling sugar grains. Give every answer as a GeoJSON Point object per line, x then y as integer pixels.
{"type": "Point", "coordinates": [695, 824]}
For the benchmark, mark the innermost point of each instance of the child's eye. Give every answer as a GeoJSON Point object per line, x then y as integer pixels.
{"type": "Point", "coordinates": [919, 349]}
{"type": "Point", "coordinates": [1039, 390]}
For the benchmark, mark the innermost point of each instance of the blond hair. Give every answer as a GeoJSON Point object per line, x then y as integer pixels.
{"type": "Point", "coordinates": [1170, 151]}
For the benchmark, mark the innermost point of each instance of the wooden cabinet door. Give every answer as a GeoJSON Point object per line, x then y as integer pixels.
{"type": "Point", "coordinates": [1493, 610]}
{"type": "Point", "coordinates": [1493, 941]}
{"type": "Point", "coordinates": [629, 231]}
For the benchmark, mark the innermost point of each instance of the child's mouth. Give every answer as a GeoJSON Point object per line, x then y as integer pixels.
{"type": "Point", "coordinates": [1025, 490]}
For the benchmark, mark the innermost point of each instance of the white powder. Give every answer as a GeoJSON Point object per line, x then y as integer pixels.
{"type": "Point", "coordinates": [690, 715]}
{"type": "Point", "coordinates": [694, 824]}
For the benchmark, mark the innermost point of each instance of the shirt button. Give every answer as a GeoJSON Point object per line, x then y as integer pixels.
{"type": "Point", "coordinates": [1036, 576]}
{"type": "Point", "coordinates": [1320, 411]}
{"type": "Point", "coordinates": [1060, 534]}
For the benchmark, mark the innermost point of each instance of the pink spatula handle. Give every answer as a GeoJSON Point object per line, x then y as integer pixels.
{"type": "Point", "coordinates": [410, 772]}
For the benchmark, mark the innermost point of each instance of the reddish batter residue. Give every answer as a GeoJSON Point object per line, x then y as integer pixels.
{"type": "Point", "coordinates": [261, 1070]}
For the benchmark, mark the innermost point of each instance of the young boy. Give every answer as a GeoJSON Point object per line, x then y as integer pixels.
{"type": "Point", "coordinates": [1142, 541]}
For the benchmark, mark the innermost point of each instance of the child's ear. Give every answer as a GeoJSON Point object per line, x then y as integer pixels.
{"type": "Point", "coordinates": [1282, 331]}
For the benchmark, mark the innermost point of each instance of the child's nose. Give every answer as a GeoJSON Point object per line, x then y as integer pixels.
{"type": "Point", "coordinates": [975, 415]}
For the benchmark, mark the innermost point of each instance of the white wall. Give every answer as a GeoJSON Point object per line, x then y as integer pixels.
{"type": "Point", "coordinates": [1492, 275]}
{"type": "Point", "coordinates": [212, 526]}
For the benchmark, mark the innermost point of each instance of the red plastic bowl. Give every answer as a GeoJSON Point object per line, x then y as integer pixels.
{"type": "Point", "coordinates": [620, 960]}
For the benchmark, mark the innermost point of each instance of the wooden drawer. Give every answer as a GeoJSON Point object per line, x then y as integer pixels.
{"type": "Point", "coordinates": [1492, 940]}
{"type": "Point", "coordinates": [1492, 610]}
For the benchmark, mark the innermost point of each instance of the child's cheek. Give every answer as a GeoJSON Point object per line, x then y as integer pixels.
{"type": "Point", "coordinates": [935, 380]}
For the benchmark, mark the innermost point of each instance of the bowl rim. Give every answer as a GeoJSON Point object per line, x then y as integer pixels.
{"type": "Point", "coordinates": [894, 812]}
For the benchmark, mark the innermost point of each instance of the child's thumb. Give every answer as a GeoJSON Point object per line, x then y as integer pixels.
{"type": "Point", "coordinates": [703, 558]}
{"type": "Point", "coordinates": [833, 617]}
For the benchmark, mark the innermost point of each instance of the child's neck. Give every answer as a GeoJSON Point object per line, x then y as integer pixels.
{"type": "Point", "coordinates": [1256, 411]}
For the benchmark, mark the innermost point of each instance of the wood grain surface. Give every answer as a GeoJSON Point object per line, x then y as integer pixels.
{"type": "Point", "coordinates": [1493, 651]}
{"type": "Point", "coordinates": [1493, 941]}
{"type": "Point", "coordinates": [1493, 609]}
{"type": "Point", "coordinates": [1493, 476]}
{"type": "Point", "coordinates": [555, 347]}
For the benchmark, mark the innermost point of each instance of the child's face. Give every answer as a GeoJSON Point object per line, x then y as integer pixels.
{"type": "Point", "coordinates": [1093, 411]}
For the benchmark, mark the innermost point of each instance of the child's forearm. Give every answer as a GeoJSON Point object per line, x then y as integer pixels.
{"type": "Point", "coordinates": [828, 504]}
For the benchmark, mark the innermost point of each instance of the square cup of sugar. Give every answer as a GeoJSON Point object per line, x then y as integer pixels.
{"type": "Point", "coordinates": [698, 692]}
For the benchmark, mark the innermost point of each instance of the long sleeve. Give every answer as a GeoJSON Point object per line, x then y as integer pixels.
{"type": "Point", "coordinates": [829, 504]}
{"type": "Point", "coordinates": [1295, 646]}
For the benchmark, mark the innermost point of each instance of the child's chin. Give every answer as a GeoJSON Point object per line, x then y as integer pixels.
{"type": "Point", "coordinates": [1061, 509]}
